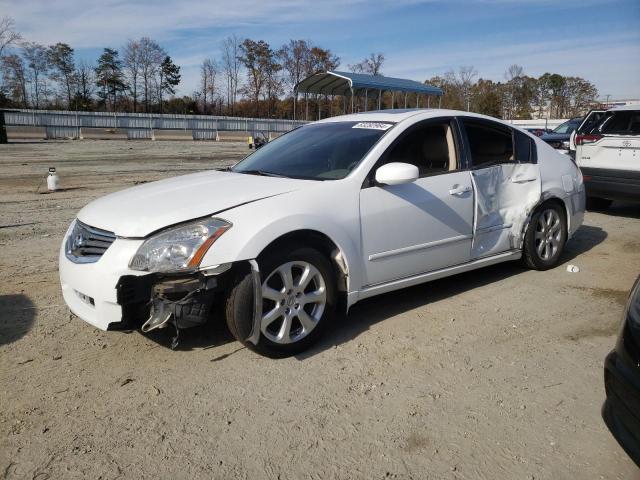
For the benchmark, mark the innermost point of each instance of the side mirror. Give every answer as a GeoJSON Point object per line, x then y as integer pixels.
{"type": "Point", "coordinates": [396, 173]}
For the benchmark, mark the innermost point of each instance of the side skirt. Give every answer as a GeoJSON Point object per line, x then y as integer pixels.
{"type": "Point", "coordinates": [372, 290]}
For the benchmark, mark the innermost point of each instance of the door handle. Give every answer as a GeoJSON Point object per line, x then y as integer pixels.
{"type": "Point", "coordinates": [522, 179]}
{"type": "Point", "coordinates": [457, 190]}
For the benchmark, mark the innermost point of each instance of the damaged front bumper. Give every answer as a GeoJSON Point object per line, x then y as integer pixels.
{"type": "Point", "coordinates": [125, 300]}
{"type": "Point", "coordinates": [156, 300]}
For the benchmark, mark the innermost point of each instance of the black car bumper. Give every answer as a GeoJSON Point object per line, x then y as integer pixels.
{"type": "Point", "coordinates": [621, 409]}
{"type": "Point", "coordinates": [612, 184]}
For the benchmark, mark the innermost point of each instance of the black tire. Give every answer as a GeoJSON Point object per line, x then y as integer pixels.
{"type": "Point", "coordinates": [597, 203]}
{"type": "Point", "coordinates": [530, 254]}
{"type": "Point", "coordinates": [239, 306]}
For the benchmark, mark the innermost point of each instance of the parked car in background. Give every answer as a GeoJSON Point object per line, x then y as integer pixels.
{"type": "Point", "coordinates": [559, 136]}
{"type": "Point", "coordinates": [621, 409]}
{"type": "Point", "coordinates": [590, 120]}
{"type": "Point", "coordinates": [538, 132]}
{"type": "Point", "coordinates": [609, 157]}
{"type": "Point", "coordinates": [318, 219]}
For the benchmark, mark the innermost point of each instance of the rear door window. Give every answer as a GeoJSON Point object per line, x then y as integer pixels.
{"type": "Point", "coordinates": [490, 143]}
{"type": "Point", "coordinates": [525, 147]}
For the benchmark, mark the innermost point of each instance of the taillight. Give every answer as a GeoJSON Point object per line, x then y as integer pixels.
{"type": "Point", "coordinates": [587, 139]}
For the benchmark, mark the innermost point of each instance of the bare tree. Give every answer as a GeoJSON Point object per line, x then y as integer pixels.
{"type": "Point", "coordinates": [61, 59]}
{"type": "Point", "coordinates": [231, 68]}
{"type": "Point", "coordinates": [513, 77]}
{"type": "Point", "coordinates": [294, 57]}
{"type": "Point", "coordinates": [37, 68]}
{"type": "Point", "coordinates": [15, 78]}
{"type": "Point", "coordinates": [131, 63]}
{"type": "Point", "coordinates": [466, 79]}
{"type": "Point", "coordinates": [208, 72]}
{"type": "Point", "coordinates": [8, 34]}
{"type": "Point", "coordinates": [151, 56]}
{"type": "Point", "coordinates": [85, 74]}
{"type": "Point", "coordinates": [371, 65]}
{"type": "Point", "coordinates": [256, 57]}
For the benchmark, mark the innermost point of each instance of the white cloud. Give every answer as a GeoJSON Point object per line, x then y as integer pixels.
{"type": "Point", "coordinates": [192, 30]}
{"type": "Point", "coordinates": [610, 62]}
{"type": "Point", "coordinates": [91, 23]}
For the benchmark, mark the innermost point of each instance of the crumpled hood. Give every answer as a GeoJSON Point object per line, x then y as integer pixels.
{"type": "Point", "coordinates": [141, 210]}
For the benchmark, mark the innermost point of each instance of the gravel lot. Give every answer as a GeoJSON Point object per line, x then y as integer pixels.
{"type": "Point", "coordinates": [494, 374]}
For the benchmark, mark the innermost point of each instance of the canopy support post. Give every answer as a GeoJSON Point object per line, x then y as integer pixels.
{"type": "Point", "coordinates": [351, 99]}
{"type": "Point", "coordinates": [295, 100]}
{"type": "Point", "coordinates": [379, 99]}
{"type": "Point", "coordinates": [306, 106]}
{"type": "Point", "coordinates": [417, 100]}
{"type": "Point", "coordinates": [440, 101]}
{"type": "Point", "coordinates": [405, 99]}
{"type": "Point", "coordinates": [366, 99]}
{"type": "Point", "coordinates": [392, 103]}
{"type": "Point", "coordinates": [428, 99]}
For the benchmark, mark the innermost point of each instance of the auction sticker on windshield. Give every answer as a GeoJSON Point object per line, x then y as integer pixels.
{"type": "Point", "coordinates": [373, 125]}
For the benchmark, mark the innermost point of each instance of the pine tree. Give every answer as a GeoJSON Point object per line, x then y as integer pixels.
{"type": "Point", "coordinates": [109, 77]}
{"type": "Point", "coordinates": [169, 77]}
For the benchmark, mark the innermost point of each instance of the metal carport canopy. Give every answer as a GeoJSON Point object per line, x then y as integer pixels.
{"type": "Point", "coordinates": [343, 83]}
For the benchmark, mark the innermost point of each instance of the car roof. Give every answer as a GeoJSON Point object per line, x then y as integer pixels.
{"type": "Point", "coordinates": [625, 107]}
{"type": "Point", "coordinates": [398, 115]}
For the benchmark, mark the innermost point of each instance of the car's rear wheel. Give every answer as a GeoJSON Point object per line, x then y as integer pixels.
{"type": "Point", "coordinates": [545, 238]}
{"type": "Point", "coordinates": [298, 302]}
{"type": "Point", "coordinates": [597, 203]}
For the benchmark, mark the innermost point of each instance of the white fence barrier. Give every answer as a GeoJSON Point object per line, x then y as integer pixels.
{"type": "Point", "coordinates": [69, 124]}
{"type": "Point", "coordinates": [540, 123]}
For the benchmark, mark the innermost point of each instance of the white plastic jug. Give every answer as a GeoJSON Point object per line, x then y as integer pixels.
{"type": "Point", "coordinates": [53, 181]}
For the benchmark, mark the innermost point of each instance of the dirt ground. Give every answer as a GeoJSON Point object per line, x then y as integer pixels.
{"type": "Point", "coordinates": [494, 374]}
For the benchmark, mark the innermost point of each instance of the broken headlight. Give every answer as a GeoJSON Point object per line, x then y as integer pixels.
{"type": "Point", "coordinates": [178, 248]}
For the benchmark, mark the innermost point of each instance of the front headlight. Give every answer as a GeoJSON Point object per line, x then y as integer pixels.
{"type": "Point", "coordinates": [179, 248]}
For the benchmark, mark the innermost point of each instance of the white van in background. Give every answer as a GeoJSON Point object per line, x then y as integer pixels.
{"type": "Point", "coordinates": [609, 157]}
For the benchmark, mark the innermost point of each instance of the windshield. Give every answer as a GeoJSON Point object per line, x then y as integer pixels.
{"type": "Point", "coordinates": [566, 127]}
{"type": "Point", "coordinates": [319, 151]}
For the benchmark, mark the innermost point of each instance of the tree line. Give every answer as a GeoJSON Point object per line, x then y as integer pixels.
{"type": "Point", "coordinates": [519, 96]}
{"type": "Point", "coordinates": [250, 78]}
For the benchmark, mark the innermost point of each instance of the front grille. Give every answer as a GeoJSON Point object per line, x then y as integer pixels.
{"type": "Point", "coordinates": [87, 244]}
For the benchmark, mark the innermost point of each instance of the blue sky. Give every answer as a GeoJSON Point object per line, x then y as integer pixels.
{"type": "Point", "coordinates": [598, 40]}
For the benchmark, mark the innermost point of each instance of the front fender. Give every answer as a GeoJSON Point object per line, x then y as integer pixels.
{"type": "Point", "coordinates": [254, 230]}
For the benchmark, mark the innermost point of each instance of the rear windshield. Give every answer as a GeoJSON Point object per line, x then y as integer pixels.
{"type": "Point", "coordinates": [566, 127]}
{"type": "Point", "coordinates": [320, 151]}
{"type": "Point", "coordinates": [625, 122]}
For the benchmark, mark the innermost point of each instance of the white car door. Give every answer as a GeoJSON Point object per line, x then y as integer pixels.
{"type": "Point", "coordinates": [506, 182]}
{"type": "Point", "coordinates": [424, 225]}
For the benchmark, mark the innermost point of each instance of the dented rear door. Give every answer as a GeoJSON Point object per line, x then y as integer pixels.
{"type": "Point", "coordinates": [504, 196]}
{"type": "Point", "coordinates": [506, 183]}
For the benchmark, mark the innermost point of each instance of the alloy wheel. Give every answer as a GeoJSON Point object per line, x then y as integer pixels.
{"type": "Point", "coordinates": [548, 235]}
{"type": "Point", "coordinates": [294, 299]}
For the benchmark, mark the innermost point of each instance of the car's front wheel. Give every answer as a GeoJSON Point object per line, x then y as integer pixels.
{"type": "Point", "coordinates": [545, 238]}
{"type": "Point", "coordinates": [298, 302]}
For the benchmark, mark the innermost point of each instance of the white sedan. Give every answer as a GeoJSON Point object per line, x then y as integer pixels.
{"type": "Point", "coordinates": [326, 215]}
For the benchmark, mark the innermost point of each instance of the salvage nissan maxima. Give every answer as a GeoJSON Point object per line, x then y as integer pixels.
{"type": "Point", "coordinates": [326, 215]}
